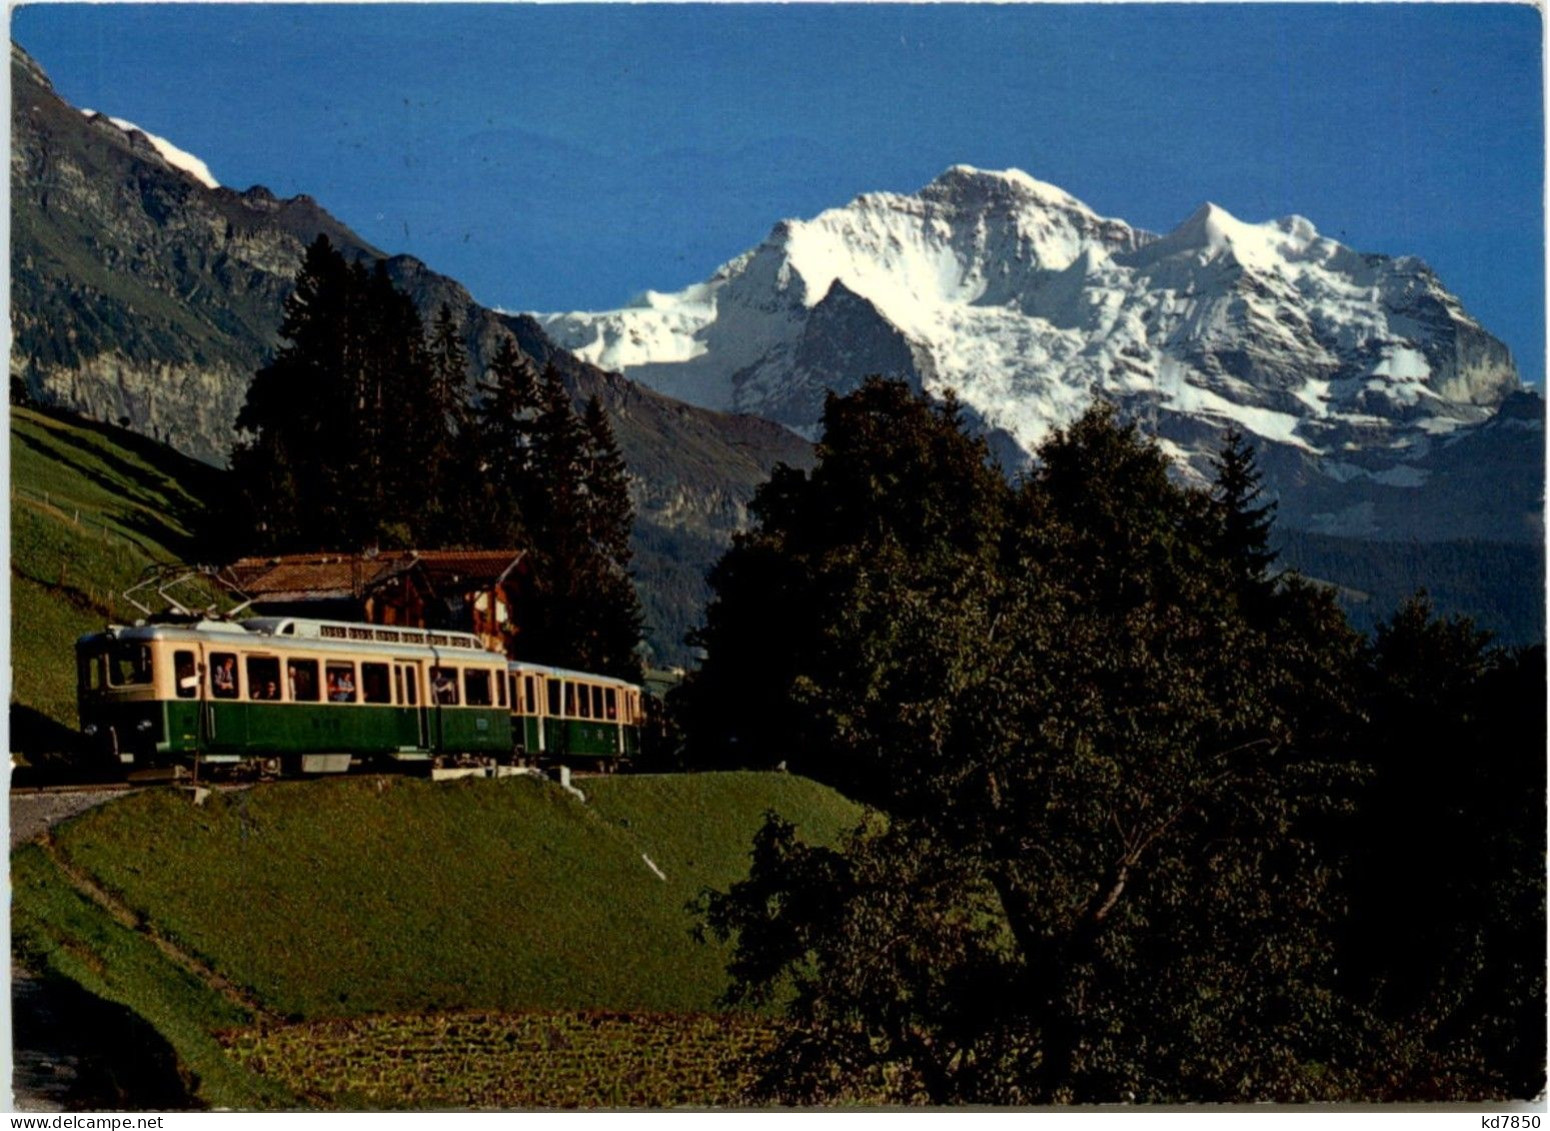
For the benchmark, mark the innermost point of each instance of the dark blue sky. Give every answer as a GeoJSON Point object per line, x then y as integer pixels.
{"type": "Point", "coordinates": [558, 157]}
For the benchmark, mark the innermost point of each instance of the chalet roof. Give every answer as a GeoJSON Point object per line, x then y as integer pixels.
{"type": "Point", "coordinates": [298, 577]}
{"type": "Point", "coordinates": [484, 567]}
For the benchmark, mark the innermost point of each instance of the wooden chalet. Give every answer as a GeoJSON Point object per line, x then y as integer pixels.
{"type": "Point", "coordinates": [474, 591]}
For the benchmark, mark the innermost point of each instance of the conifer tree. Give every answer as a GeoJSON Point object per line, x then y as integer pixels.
{"type": "Point", "coordinates": [504, 422]}
{"type": "Point", "coordinates": [334, 440]}
{"type": "Point", "coordinates": [604, 601]}
{"type": "Point", "coordinates": [285, 464]}
{"type": "Point", "coordinates": [359, 434]}
{"type": "Point", "coordinates": [405, 430]}
{"type": "Point", "coordinates": [552, 499]}
{"type": "Point", "coordinates": [451, 461]}
{"type": "Point", "coordinates": [552, 507]}
{"type": "Point", "coordinates": [608, 511]}
{"type": "Point", "coordinates": [583, 611]}
{"type": "Point", "coordinates": [1244, 540]}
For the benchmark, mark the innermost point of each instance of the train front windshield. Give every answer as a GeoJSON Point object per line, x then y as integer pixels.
{"type": "Point", "coordinates": [118, 664]}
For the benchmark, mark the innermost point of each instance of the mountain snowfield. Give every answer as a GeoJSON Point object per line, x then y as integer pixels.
{"type": "Point", "coordinates": [1027, 303]}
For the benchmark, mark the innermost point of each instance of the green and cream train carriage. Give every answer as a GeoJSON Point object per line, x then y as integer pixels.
{"type": "Point", "coordinates": [568, 716]}
{"type": "Point", "coordinates": [291, 694]}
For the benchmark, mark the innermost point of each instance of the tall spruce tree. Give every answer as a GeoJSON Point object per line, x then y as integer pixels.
{"type": "Point", "coordinates": [406, 431]}
{"type": "Point", "coordinates": [452, 460]}
{"type": "Point", "coordinates": [287, 463]}
{"type": "Point", "coordinates": [552, 506]}
{"type": "Point", "coordinates": [584, 611]}
{"type": "Point", "coordinates": [1246, 522]}
{"type": "Point", "coordinates": [504, 425]}
{"type": "Point", "coordinates": [605, 601]}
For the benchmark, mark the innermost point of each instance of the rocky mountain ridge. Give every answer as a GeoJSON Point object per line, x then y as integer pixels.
{"type": "Point", "coordinates": [143, 297]}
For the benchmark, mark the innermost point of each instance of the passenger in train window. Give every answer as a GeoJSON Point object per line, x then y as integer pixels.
{"type": "Point", "coordinates": [223, 677]}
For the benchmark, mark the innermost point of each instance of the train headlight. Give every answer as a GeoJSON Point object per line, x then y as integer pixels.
{"type": "Point", "coordinates": [143, 724]}
{"type": "Point", "coordinates": [89, 730]}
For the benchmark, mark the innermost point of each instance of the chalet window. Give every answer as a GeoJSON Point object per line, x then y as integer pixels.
{"type": "Point", "coordinates": [264, 678]}
{"type": "Point", "coordinates": [301, 680]}
{"type": "Point", "coordinates": [375, 687]}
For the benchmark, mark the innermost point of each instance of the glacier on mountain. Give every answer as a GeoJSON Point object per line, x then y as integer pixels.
{"type": "Point", "coordinates": [1029, 305]}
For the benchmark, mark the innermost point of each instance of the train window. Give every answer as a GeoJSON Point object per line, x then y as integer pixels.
{"type": "Point", "coordinates": [186, 674]}
{"type": "Point", "coordinates": [90, 675]}
{"type": "Point", "coordinates": [597, 702]}
{"type": "Point", "coordinates": [528, 698]}
{"type": "Point", "coordinates": [476, 687]}
{"type": "Point", "coordinates": [516, 695]}
{"type": "Point", "coordinates": [611, 703]}
{"type": "Point", "coordinates": [129, 665]}
{"type": "Point", "coordinates": [223, 675]}
{"type": "Point", "coordinates": [570, 699]}
{"type": "Point", "coordinates": [584, 702]}
{"type": "Point", "coordinates": [301, 680]}
{"type": "Point", "coordinates": [375, 687]}
{"type": "Point", "coordinates": [554, 697]}
{"type": "Point", "coordinates": [340, 677]}
{"type": "Point", "coordinates": [263, 677]}
{"type": "Point", "coordinates": [412, 686]}
{"type": "Point", "coordinates": [444, 684]}
{"type": "Point", "coordinates": [500, 691]}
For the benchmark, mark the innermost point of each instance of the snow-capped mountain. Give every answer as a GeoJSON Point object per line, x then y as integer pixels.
{"type": "Point", "coordinates": [1029, 304]}
{"type": "Point", "coordinates": [179, 159]}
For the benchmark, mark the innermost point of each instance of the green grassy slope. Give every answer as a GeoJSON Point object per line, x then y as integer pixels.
{"type": "Point", "coordinates": [91, 507]}
{"type": "Point", "coordinates": [380, 896]}
{"type": "Point", "coordinates": [57, 931]}
{"type": "Point", "coordinates": [336, 898]}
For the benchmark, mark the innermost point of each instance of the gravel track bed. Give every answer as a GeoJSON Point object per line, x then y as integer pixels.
{"type": "Point", "coordinates": [34, 813]}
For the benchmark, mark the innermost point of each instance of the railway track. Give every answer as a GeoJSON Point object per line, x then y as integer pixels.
{"type": "Point", "coordinates": [83, 787]}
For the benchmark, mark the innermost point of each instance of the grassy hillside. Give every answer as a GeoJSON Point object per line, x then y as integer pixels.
{"type": "Point", "coordinates": [375, 897]}
{"type": "Point", "coordinates": [91, 507]}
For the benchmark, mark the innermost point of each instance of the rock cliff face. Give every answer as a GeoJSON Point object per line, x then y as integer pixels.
{"type": "Point", "coordinates": [1354, 373]}
{"type": "Point", "coordinates": [139, 294]}
{"type": "Point", "coordinates": [143, 296]}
